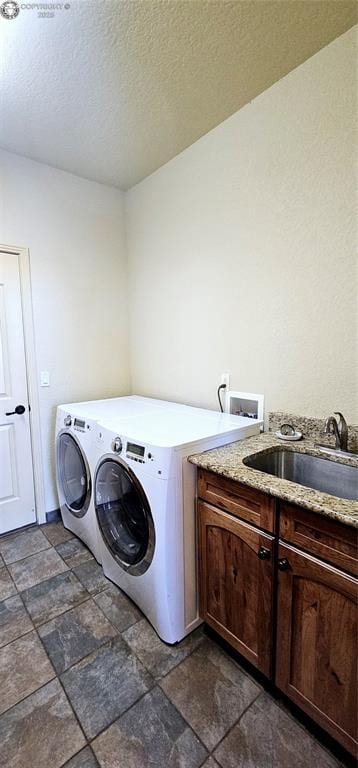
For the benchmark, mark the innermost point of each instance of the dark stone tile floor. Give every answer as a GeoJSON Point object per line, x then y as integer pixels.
{"type": "Point", "coordinates": [36, 568]}
{"type": "Point", "coordinates": [75, 634]}
{"type": "Point", "coordinates": [85, 681]}
{"type": "Point", "coordinates": [20, 545]}
{"type": "Point", "coordinates": [7, 586]}
{"type": "Point", "coordinates": [73, 552]}
{"type": "Point", "coordinates": [91, 576]}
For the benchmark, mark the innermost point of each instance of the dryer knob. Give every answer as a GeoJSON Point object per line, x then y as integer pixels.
{"type": "Point", "coordinates": [67, 421]}
{"type": "Point", "coordinates": [117, 445]}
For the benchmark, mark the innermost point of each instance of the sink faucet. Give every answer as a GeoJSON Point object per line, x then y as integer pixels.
{"type": "Point", "coordinates": [339, 429]}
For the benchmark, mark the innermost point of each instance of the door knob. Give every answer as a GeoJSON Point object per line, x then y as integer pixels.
{"type": "Point", "coordinates": [19, 410]}
{"type": "Point", "coordinates": [283, 564]}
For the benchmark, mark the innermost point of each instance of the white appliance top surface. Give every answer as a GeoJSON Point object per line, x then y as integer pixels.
{"type": "Point", "coordinates": [170, 429]}
{"type": "Point", "coordinates": [130, 405]}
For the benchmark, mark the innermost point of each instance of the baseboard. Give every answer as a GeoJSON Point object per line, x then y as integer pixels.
{"type": "Point", "coordinates": [54, 516]}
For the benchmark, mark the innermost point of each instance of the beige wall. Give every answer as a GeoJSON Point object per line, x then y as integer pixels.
{"type": "Point", "coordinates": [74, 230]}
{"type": "Point", "coordinates": [241, 251]}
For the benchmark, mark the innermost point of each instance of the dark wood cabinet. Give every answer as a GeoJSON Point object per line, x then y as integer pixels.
{"type": "Point", "coordinates": [316, 653]}
{"type": "Point", "coordinates": [236, 583]}
{"type": "Point", "coordinates": [320, 536]}
{"type": "Point", "coordinates": [300, 588]}
{"type": "Point", "coordinates": [246, 503]}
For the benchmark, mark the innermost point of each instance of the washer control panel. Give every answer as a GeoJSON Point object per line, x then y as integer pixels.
{"type": "Point", "coordinates": [79, 424]}
{"type": "Point", "coordinates": [157, 461]}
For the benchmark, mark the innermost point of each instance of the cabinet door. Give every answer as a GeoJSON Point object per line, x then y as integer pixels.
{"type": "Point", "coordinates": [235, 583]}
{"type": "Point", "coordinates": [317, 641]}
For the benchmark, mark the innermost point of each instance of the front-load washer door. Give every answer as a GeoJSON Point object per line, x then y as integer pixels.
{"type": "Point", "coordinates": [73, 475]}
{"type": "Point", "coordinates": [124, 517]}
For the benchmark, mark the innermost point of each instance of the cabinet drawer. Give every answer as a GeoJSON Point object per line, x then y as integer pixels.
{"type": "Point", "coordinates": [321, 536]}
{"type": "Point", "coordinates": [240, 500]}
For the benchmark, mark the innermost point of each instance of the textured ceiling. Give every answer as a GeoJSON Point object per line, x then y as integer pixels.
{"type": "Point", "coordinates": [112, 90]}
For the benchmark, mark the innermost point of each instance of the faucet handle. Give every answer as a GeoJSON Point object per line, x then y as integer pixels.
{"type": "Point", "coordinates": [338, 413]}
{"type": "Point", "coordinates": [342, 431]}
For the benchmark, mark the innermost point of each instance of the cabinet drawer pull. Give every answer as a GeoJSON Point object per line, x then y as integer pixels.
{"type": "Point", "coordinates": [283, 564]}
{"type": "Point", "coordinates": [264, 553]}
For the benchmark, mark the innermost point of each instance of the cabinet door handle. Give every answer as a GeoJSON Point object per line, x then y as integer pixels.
{"type": "Point", "coordinates": [283, 564]}
{"type": "Point", "coordinates": [264, 553]}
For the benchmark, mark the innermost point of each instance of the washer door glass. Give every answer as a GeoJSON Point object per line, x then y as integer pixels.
{"type": "Point", "coordinates": [124, 516]}
{"type": "Point", "coordinates": [73, 476]}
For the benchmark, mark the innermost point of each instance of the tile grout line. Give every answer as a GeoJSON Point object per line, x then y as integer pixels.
{"type": "Point", "coordinates": [47, 656]}
{"type": "Point", "coordinates": [32, 554]}
{"type": "Point", "coordinates": [44, 549]}
{"type": "Point", "coordinates": [13, 534]}
{"type": "Point", "coordinates": [19, 591]}
{"type": "Point", "coordinates": [119, 632]}
{"type": "Point", "coordinates": [47, 621]}
{"type": "Point", "coordinates": [23, 634]}
{"type": "Point", "coordinates": [191, 728]}
{"type": "Point", "coordinates": [175, 666]}
{"type": "Point", "coordinates": [88, 744]}
{"type": "Point", "coordinates": [234, 725]}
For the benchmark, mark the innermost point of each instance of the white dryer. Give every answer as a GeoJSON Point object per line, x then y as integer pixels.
{"type": "Point", "coordinates": [74, 457]}
{"type": "Point", "coordinates": [144, 498]}
{"type": "Point", "coordinates": [75, 431]}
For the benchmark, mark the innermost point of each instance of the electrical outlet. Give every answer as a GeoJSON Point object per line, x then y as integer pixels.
{"type": "Point", "coordinates": [225, 379]}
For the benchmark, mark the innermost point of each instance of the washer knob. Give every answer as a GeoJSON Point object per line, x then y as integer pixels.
{"type": "Point", "coordinates": [67, 421]}
{"type": "Point", "coordinates": [117, 445]}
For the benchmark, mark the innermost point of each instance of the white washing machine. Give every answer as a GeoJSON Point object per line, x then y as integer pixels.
{"type": "Point", "coordinates": [144, 498]}
{"type": "Point", "coordinates": [75, 431]}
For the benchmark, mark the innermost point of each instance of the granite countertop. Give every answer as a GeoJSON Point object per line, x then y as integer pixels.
{"type": "Point", "coordinates": [228, 462]}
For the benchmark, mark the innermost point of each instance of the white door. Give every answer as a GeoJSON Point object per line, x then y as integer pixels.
{"type": "Point", "coordinates": [17, 502]}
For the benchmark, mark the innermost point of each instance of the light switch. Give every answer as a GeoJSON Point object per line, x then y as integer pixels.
{"type": "Point", "coordinates": [44, 379]}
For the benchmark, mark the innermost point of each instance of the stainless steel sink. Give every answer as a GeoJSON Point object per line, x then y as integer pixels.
{"type": "Point", "coordinates": [321, 474]}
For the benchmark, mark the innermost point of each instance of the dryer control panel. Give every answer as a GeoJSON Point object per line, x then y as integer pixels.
{"type": "Point", "coordinates": [137, 453]}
